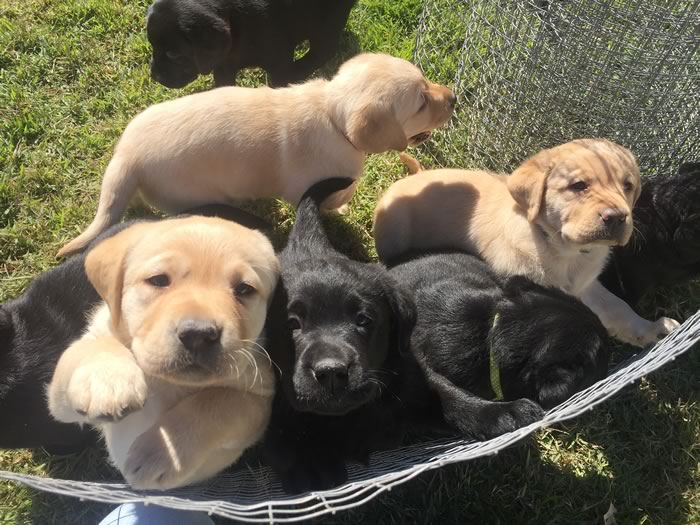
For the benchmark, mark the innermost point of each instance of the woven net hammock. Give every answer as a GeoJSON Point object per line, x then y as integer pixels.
{"type": "Point", "coordinates": [528, 75]}
{"type": "Point", "coordinates": [256, 496]}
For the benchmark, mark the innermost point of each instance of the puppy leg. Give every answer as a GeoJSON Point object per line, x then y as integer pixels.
{"type": "Point", "coordinates": [225, 74]}
{"type": "Point", "coordinates": [96, 381]}
{"type": "Point", "coordinates": [321, 50]}
{"type": "Point", "coordinates": [279, 71]}
{"type": "Point", "coordinates": [621, 321]}
{"type": "Point", "coordinates": [479, 418]}
{"type": "Point", "coordinates": [202, 435]}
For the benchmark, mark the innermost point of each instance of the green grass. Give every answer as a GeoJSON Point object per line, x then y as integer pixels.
{"type": "Point", "coordinates": [72, 74]}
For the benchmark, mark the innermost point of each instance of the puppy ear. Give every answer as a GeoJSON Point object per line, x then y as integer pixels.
{"type": "Point", "coordinates": [105, 266]}
{"type": "Point", "coordinates": [375, 129]}
{"type": "Point", "coordinates": [403, 316]}
{"type": "Point", "coordinates": [526, 184]}
{"type": "Point", "coordinates": [555, 384]}
{"type": "Point", "coordinates": [211, 38]}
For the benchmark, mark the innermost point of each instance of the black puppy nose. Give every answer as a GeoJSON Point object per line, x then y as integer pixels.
{"type": "Point", "coordinates": [331, 374]}
{"type": "Point", "coordinates": [198, 335]}
{"type": "Point", "coordinates": [612, 215]}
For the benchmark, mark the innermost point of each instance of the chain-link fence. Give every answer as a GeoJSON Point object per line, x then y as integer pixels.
{"type": "Point", "coordinates": [530, 74]}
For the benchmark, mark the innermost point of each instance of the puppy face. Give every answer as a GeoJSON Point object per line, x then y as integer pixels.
{"type": "Point", "coordinates": [385, 103]}
{"type": "Point", "coordinates": [346, 321]}
{"type": "Point", "coordinates": [582, 192]}
{"type": "Point", "coordinates": [187, 40]}
{"type": "Point", "coordinates": [188, 296]}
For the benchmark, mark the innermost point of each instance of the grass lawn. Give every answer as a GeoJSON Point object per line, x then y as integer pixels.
{"type": "Point", "coordinates": [73, 73]}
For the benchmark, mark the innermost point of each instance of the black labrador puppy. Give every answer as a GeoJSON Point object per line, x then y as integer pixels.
{"type": "Point", "coordinates": [195, 37]}
{"type": "Point", "coordinates": [665, 247]}
{"type": "Point", "coordinates": [336, 329]}
{"type": "Point", "coordinates": [35, 329]}
{"type": "Point", "coordinates": [496, 352]}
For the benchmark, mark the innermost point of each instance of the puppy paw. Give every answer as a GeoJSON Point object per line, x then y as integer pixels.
{"type": "Point", "coordinates": [155, 463]}
{"type": "Point", "coordinates": [501, 417]}
{"type": "Point", "coordinates": [658, 330]}
{"type": "Point", "coordinates": [106, 391]}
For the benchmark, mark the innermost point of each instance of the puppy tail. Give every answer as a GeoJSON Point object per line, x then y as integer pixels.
{"type": "Point", "coordinates": [307, 232]}
{"type": "Point", "coordinates": [118, 186]}
{"type": "Point", "coordinates": [411, 163]}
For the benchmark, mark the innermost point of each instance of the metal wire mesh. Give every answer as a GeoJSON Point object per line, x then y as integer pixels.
{"type": "Point", "coordinates": [256, 496]}
{"type": "Point", "coordinates": [530, 74]}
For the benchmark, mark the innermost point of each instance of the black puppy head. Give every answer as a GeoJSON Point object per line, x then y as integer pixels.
{"type": "Point", "coordinates": [548, 344]}
{"type": "Point", "coordinates": [348, 323]}
{"type": "Point", "coordinates": [188, 38]}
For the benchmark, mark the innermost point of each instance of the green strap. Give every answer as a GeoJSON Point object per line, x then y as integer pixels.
{"type": "Point", "coordinates": [494, 372]}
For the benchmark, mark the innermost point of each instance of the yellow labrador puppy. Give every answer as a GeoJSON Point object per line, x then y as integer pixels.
{"type": "Point", "coordinates": [171, 369]}
{"type": "Point", "coordinates": [244, 143]}
{"type": "Point", "coordinates": [553, 220]}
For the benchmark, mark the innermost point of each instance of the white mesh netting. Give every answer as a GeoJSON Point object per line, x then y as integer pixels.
{"type": "Point", "coordinates": [528, 74]}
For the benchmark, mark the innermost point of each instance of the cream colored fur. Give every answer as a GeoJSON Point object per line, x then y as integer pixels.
{"type": "Point", "coordinates": [529, 223]}
{"type": "Point", "coordinates": [237, 143]}
{"type": "Point", "coordinates": [169, 420]}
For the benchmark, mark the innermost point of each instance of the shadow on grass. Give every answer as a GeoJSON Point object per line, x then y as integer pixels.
{"type": "Point", "coordinates": [631, 452]}
{"type": "Point", "coordinates": [89, 465]}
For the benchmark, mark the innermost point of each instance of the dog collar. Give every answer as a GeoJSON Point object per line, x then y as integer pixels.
{"type": "Point", "coordinates": [342, 133]}
{"type": "Point", "coordinates": [494, 372]}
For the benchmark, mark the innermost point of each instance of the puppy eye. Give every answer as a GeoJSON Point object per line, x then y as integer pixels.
{"type": "Point", "coordinates": [578, 186]}
{"type": "Point", "coordinates": [293, 323]}
{"type": "Point", "coordinates": [243, 290]}
{"type": "Point", "coordinates": [159, 281]}
{"type": "Point", "coordinates": [172, 55]}
{"type": "Point", "coordinates": [363, 321]}
{"type": "Point", "coordinates": [628, 186]}
{"type": "Point", "coordinates": [424, 102]}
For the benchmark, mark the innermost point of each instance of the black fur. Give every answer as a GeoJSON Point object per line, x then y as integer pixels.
{"type": "Point", "coordinates": [665, 247]}
{"type": "Point", "coordinates": [193, 37]}
{"type": "Point", "coordinates": [547, 344]}
{"type": "Point", "coordinates": [35, 329]}
{"type": "Point", "coordinates": [315, 326]}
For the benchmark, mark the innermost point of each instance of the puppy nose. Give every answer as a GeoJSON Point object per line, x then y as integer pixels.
{"type": "Point", "coordinates": [613, 215]}
{"type": "Point", "coordinates": [198, 335]}
{"type": "Point", "coordinates": [452, 100]}
{"type": "Point", "coordinates": [331, 374]}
